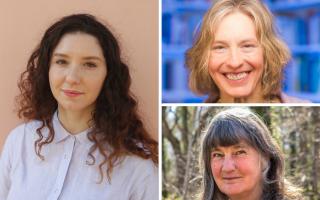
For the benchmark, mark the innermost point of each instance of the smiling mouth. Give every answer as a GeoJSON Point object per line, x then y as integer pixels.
{"type": "Point", "coordinates": [236, 76]}
{"type": "Point", "coordinates": [231, 178]}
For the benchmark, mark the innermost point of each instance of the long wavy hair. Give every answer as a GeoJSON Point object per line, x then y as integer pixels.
{"type": "Point", "coordinates": [232, 126]}
{"type": "Point", "coordinates": [275, 52]}
{"type": "Point", "coordinates": [117, 125]}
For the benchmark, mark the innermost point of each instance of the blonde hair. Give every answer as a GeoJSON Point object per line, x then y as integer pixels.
{"type": "Point", "coordinates": [275, 53]}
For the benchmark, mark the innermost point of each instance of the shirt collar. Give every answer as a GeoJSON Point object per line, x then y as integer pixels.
{"type": "Point", "coordinates": [61, 134]}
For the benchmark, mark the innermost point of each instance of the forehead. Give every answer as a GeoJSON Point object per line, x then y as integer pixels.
{"type": "Point", "coordinates": [241, 144]}
{"type": "Point", "coordinates": [79, 43]}
{"type": "Point", "coordinates": [235, 25]}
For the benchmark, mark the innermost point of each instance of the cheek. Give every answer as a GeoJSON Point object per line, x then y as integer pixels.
{"type": "Point", "coordinates": [96, 82]}
{"type": "Point", "coordinates": [101, 79]}
{"type": "Point", "coordinates": [251, 169]}
{"type": "Point", "coordinates": [55, 76]}
{"type": "Point", "coordinates": [257, 60]}
{"type": "Point", "coordinates": [214, 63]}
{"type": "Point", "coordinates": [213, 69]}
{"type": "Point", "coordinates": [215, 169]}
{"type": "Point", "coordinates": [97, 86]}
{"type": "Point", "coordinates": [52, 78]}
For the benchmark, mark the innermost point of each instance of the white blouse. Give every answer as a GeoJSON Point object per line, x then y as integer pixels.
{"type": "Point", "coordinates": [65, 173]}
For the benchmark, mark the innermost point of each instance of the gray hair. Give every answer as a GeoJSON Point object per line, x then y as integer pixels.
{"type": "Point", "coordinates": [231, 127]}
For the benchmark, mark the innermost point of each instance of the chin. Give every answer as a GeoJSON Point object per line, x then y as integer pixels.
{"type": "Point", "coordinates": [239, 94]}
{"type": "Point", "coordinates": [233, 192]}
{"type": "Point", "coordinates": [230, 193]}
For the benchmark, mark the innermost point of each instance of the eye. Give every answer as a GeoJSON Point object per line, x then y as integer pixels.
{"type": "Point", "coordinates": [216, 155]}
{"type": "Point", "coordinates": [61, 62]}
{"type": "Point", "coordinates": [90, 64]}
{"type": "Point", "coordinates": [248, 47]}
{"type": "Point", "coordinates": [218, 48]}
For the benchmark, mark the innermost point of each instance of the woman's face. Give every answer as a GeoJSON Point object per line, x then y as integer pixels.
{"type": "Point", "coordinates": [236, 57]}
{"type": "Point", "coordinates": [237, 170]}
{"type": "Point", "coordinates": [77, 72]}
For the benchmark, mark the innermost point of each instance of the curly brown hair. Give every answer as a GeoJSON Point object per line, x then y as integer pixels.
{"type": "Point", "coordinates": [115, 117]}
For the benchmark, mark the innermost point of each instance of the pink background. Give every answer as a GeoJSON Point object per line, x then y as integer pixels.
{"type": "Point", "coordinates": [135, 24]}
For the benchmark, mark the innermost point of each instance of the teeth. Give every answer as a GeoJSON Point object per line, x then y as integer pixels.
{"type": "Point", "coordinates": [237, 76]}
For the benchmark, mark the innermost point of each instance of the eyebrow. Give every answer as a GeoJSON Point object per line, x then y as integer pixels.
{"type": "Point", "coordinates": [85, 58]}
{"type": "Point", "coordinates": [242, 41]}
{"type": "Point", "coordinates": [60, 55]}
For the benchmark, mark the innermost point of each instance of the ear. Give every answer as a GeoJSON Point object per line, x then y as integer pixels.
{"type": "Point", "coordinates": [265, 163]}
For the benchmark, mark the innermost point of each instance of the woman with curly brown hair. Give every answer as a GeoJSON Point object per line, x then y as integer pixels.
{"type": "Point", "coordinates": [240, 160]}
{"type": "Point", "coordinates": [237, 56]}
{"type": "Point", "coordinates": [83, 138]}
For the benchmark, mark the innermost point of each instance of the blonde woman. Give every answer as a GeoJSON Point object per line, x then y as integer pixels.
{"type": "Point", "coordinates": [241, 161]}
{"type": "Point", "coordinates": [237, 56]}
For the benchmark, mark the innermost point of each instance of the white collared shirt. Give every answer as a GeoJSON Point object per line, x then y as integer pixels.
{"type": "Point", "coordinates": [65, 173]}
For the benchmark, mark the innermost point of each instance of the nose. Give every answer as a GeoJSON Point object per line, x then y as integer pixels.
{"type": "Point", "coordinates": [228, 164]}
{"type": "Point", "coordinates": [73, 75]}
{"type": "Point", "coordinates": [235, 59]}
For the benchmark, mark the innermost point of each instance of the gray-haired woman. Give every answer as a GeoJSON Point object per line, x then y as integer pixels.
{"type": "Point", "coordinates": [240, 160]}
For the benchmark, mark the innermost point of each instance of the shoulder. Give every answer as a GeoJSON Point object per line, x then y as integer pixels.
{"type": "Point", "coordinates": [25, 127]}
{"type": "Point", "coordinates": [138, 169]}
{"type": "Point", "coordinates": [289, 99]}
{"type": "Point", "coordinates": [140, 164]}
{"type": "Point", "coordinates": [15, 135]}
{"type": "Point", "coordinates": [22, 132]}
{"type": "Point", "coordinates": [143, 177]}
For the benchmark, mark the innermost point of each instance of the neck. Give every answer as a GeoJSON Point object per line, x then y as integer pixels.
{"type": "Point", "coordinates": [74, 121]}
{"type": "Point", "coordinates": [254, 194]}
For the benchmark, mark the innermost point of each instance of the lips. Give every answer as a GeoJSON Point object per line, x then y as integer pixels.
{"type": "Point", "coordinates": [231, 178]}
{"type": "Point", "coordinates": [236, 76]}
{"type": "Point", "coordinates": [72, 93]}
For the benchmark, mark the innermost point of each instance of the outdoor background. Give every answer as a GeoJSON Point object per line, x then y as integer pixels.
{"type": "Point", "coordinates": [296, 129]}
{"type": "Point", "coordinates": [135, 23]}
{"type": "Point", "coordinates": [297, 21]}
